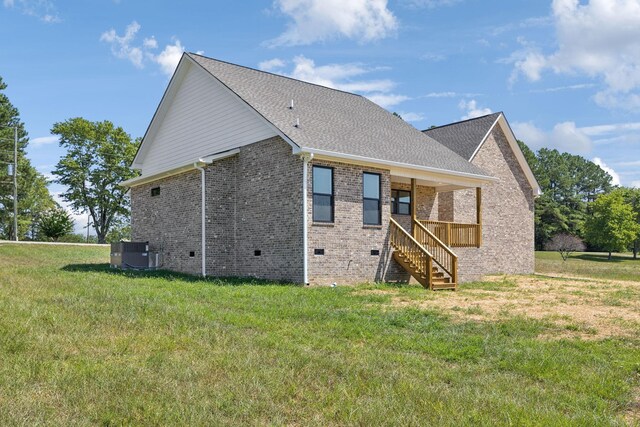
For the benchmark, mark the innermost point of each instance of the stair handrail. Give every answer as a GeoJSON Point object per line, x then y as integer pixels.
{"type": "Point", "coordinates": [442, 254]}
{"type": "Point", "coordinates": [396, 233]}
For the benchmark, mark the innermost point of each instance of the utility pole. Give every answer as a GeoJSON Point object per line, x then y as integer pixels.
{"type": "Point", "coordinates": [15, 183]}
{"type": "Point", "coordinates": [88, 224]}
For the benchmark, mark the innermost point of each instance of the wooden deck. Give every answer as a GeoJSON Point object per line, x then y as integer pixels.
{"type": "Point", "coordinates": [425, 251]}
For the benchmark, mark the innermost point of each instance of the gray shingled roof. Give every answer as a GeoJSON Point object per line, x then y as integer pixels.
{"type": "Point", "coordinates": [463, 137]}
{"type": "Point", "coordinates": [333, 120]}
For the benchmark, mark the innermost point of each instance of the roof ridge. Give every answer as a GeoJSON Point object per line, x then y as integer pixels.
{"type": "Point", "coordinates": [462, 121]}
{"type": "Point", "coordinates": [274, 74]}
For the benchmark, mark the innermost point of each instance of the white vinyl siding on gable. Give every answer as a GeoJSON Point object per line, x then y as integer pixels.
{"type": "Point", "coordinates": [203, 118]}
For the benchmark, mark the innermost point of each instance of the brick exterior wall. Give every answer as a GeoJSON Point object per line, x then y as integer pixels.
{"type": "Point", "coordinates": [347, 242]}
{"type": "Point", "coordinates": [256, 205]}
{"type": "Point", "coordinates": [507, 215]}
{"type": "Point", "coordinates": [251, 205]}
{"type": "Point", "coordinates": [269, 217]}
{"type": "Point", "coordinates": [427, 204]}
{"type": "Point", "coordinates": [170, 222]}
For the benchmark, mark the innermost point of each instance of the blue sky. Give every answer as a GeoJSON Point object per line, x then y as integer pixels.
{"type": "Point", "coordinates": [565, 72]}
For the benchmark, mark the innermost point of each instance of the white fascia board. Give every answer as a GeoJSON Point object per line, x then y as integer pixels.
{"type": "Point", "coordinates": [405, 169]}
{"type": "Point", "coordinates": [513, 142]}
{"type": "Point", "coordinates": [139, 180]}
{"type": "Point", "coordinates": [295, 147]}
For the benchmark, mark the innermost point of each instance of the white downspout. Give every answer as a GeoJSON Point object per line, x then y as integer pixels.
{"type": "Point", "coordinates": [203, 248]}
{"type": "Point", "coordinates": [306, 157]}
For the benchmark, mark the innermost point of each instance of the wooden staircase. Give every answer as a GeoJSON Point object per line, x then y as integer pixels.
{"type": "Point", "coordinates": [416, 256]}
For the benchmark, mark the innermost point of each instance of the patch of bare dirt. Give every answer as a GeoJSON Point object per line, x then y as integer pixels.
{"type": "Point", "coordinates": [589, 309]}
{"type": "Point", "coordinates": [632, 414]}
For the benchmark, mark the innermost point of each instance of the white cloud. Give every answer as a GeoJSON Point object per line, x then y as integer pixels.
{"type": "Point", "coordinates": [472, 109]}
{"type": "Point", "coordinates": [441, 95]}
{"type": "Point", "coordinates": [535, 21]}
{"type": "Point", "coordinates": [150, 43]}
{"type": "Point", "coordinates": [564, 136]}
{"type": "Point", "coordinates": [321, 20]}
{"type": "Point", "coordinates": [347, 77]}
{"type": "Point", "coordinates": [615, 178]}
{"type": "Point", "coordinates": [125, 47]}
{"type": "Point", "coordinates": [633, 163]}
{"type": "Point", "coordinates": [433, 57]}
{"type": "Point", "coordinates": [599, 39]}
{"type": "Point", "coordinates": [612, 128]}
{"type": "Point", "coordinates": [635, 184]}
{"type": "Point", "coordinates": [563, 88]}
{"type": "Point", "coordinates": [121, 45]}
{"type": "Point", "coordinates": [168, 59]}
{"type": "Point", "coordinates": [43, 140]}
{"type": "Point", "coordinates": [387, 100]}
{"type": "Point", "coordinates": [527, 132]}
{"type": "Point", "coordinates": [430, 4]}
{"type": "Point", "coordinates": [271, 64]}
{"type": "Point", "coordinates": [411, 117]}
{"type": "Point", "coordinates": [44, 10]}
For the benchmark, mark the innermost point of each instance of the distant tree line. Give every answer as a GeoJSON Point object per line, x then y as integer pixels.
{"type": "Point", "coordinates": [579, 200]}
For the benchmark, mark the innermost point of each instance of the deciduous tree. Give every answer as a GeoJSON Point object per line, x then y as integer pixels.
{"type": "Point", "coordinates": [612, 224]}
{"type": "Point", "coordinates": [97, 160]}
{"type": "Point", "coordinates": [632, 197]}
{"type": "Point", "coordinates": [565, 244]}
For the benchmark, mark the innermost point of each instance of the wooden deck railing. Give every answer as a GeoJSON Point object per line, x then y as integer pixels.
{"type": "Point", "coordinates": [455, 234]}
{"type": "Point", "coordinates": [442, 255]}
{"type": "Point", "coordinates": [412, 251]}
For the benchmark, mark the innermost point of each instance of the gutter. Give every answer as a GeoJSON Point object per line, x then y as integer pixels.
{"type": "Point", "coordinates": [393, 164]}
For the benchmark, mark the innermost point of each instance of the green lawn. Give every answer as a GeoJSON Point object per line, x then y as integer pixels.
{"type": "Point", "coordinates": [590, 264]}
{"type": "Point", "coordinates": [81, 344]}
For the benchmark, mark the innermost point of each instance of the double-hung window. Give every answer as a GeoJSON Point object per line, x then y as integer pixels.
{"type": "Point", "coordinates": [322, 194]}
{"type": "Point", "coordinates": [371, 199]}
{"type": "Point", "coordinates": [401, 202]}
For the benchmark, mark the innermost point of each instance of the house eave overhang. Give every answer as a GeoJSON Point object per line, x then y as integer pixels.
{"type": "Point", "coordinates": [200, 162]}
{"type": "Point", "coordinates": [405, 170]}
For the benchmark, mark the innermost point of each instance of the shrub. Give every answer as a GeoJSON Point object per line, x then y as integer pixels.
{"type": "Point", "coordinates": [565, 244]}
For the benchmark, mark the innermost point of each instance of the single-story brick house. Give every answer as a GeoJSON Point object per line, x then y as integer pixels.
{"type": "Point", "coordinates": [248, 173]}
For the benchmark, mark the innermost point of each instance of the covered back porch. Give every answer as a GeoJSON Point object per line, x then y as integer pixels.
{"type": "Point", "coordinates": [427, 225]}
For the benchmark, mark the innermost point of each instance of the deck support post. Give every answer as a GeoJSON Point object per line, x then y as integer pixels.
{"type": "Point", "coordinates": [414, 206]}
{"type": "Point", "coordinates": [479, 216]}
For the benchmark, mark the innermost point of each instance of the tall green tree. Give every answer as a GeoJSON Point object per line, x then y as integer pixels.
{"type": "Point", "coordinates": [97, 160]}
{"type": "Point", "coordinates": [612, 225]}
{"type": "Point", "coordinates": [632, 198]}
{"type": "Point", "coordinates": [569, 183]}
{"type": "Point", "coordinates": [33, 194]}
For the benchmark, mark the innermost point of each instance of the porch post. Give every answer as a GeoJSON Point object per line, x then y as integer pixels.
{"type": "Point", "coordinates": [479, 216]}
{"type": "Point", "coordinates": [414, 207]}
